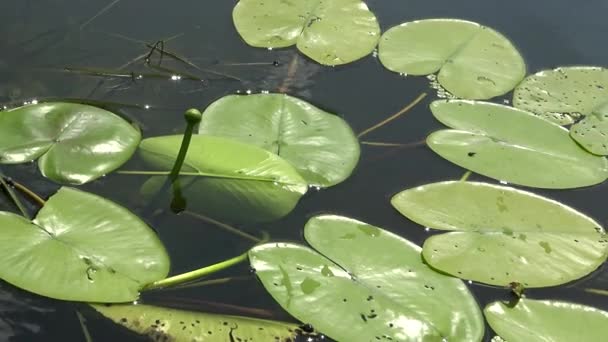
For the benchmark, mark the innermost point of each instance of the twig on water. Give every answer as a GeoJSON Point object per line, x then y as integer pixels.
{"type": "Point", "coordinates": [394, 116]}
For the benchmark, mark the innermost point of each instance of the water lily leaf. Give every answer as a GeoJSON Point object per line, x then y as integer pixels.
{"type": "Point", "coordinates": [553, 321]}
{"type": "Point", "coordinates": [330, 32]}
{"type": "Point", "coordinates": [320, 145]}
{"type": "Point", "coordinates": [362, 283]}
{"type": "Point", "coordinates": [164, 324]}
{"type": "Point", "coordinates": [73, 143]}
{"type": "Point", "coordinates": [565, 94]}
{"type": "Point", "coordinates": [503, 235]}
{"type": "Point", "coordinates": [227, 179]}
{"type": "Point", "coordinates": [473, 61]}
{"type": "Point", "coordinates": [513, 145]}
{"type": "Point", "coordinates": [80, 247]}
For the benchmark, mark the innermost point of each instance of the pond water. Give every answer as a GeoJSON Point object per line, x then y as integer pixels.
{"type": "Point", "coordinates": [39, 39]}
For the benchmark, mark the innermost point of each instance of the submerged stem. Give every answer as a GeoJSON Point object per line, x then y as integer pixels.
{"type": "Point", "coordinates": [394, 116]}
{"type": "Point", "coordinates": [385, 144]}
{"type": "Point", "coordinates": [14, 197]}
{"type": "Point", "coordinates": [83, 325]}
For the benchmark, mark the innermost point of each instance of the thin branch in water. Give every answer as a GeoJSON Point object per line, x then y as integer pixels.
{"type": "Point", "coordinates": [158, 46]}
{"type": "Point", "coordinates": [27, 191]}
{"type": "Point", "coordinates": [101, 12]}
{"type": "Point", "coordinates": [83, 325]}
{"type": "Point", "coordinates": [385, 144]}
{"type": "Point", "coordinates": [14, 197]}
{"type": "Point", "coordinates": [240, 310]}
{"type": "Point", "coordinates": [394, 116]}
{"type": "Point", "coordinates": [250, 64]}
{"type": "Point", "coordinates": [224, 226]}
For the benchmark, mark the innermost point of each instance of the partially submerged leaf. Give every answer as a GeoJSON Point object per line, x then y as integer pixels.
{"type": "Point", "coordinates": [73, 143]}
{"type": "Point", "coordinates": [227, 179]}
{"type": "Point", "coordinates": [80, 247]}
{"type": "Point", "coordinates": [330, 32]}
{"type": "Point", "coordinates": [320, 145]}
{"type": "Point", "coordinates": [164, 324]}
{"type": "Point", "coordinates": [362, 283]}
{"type": "Point", "coordinates": [549, 320]}
{"type": "Point", "coordinates": [473, 61]}
{"type": "Point", "coordinates": [503, 235]}
{"type": "Point", "coordinates": [513, 145]}
{"type": "Point", "coordinates": [565, 94]}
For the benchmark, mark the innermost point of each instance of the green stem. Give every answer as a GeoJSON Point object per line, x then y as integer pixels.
{"type": "Point", "coordinates": [15, 198]}
{"type": "Point", "coordinates": [386, 144]}
{"type": "Point", "coordinates": [597, 291]}
{"type": "Point", "coordinates": [466, 176]}
{"type": "Point", "coordinates": [193, 275]}
{"type": "Point", "coordinates": [193, 117]}
{"type": "Point", "coordinates": [394, 116]}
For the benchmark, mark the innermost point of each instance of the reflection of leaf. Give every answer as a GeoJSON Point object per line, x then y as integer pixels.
{"type": "Point", "coordinates": [552, 320]}
{"type": "Point", "coordinates": [473, 61]}
{"type": "Point", "coordinates": [330, 32]}
{"type": "Point", "coordinates": [80, 247]}
{"type": "Point", "coordinates": [513, 145]}
{"type": "Point", "coordinates": [227, 179]}
{"type": "Point", "coordinates": [74, 143]}
{"type": "Point", "coordinates": [356, 286]}
{"type": "Point", "coordinates": [563, 95]}
{"type": "Point", "coordinates": [320, 145]}
{"type": "Point", "coordinates": [164, 324]}
{"type": "Point", "coordinates": [503, 235]}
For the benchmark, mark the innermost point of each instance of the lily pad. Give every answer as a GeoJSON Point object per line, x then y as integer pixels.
{"type": "Point", "coordinates": [362, 283]}
{"type": "Point", "coordinates": [566, 94]}
{"type": "Point", "coordinates": [473, 61]}
{"type": "Point", "coordinates": [503, 235]}
{"type": "Point", "coordinates": [330, 32]}
{"type": "Point", "coordinates": [320, 145]}
{"type": "Point", "coordinates": [555, 321]}
{"type": "Point", "coordinates": [80, 247]}
{"type": "Point", "coordinates": [164, 324]}
{"type": "Point", "coordinates": [513, 145]}
{"type": "Point", "coordinates": [227, 179]}
{"type": "Point", "coordinates": [73, 143]}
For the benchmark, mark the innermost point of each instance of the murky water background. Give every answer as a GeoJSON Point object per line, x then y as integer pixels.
{"type": "Point", "coordinates": [38, 39]}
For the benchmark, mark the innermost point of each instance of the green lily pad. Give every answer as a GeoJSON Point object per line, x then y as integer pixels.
{"type": "Point", "coordinates": [565, 94]}
{"type": "Point", "coordinates": [503, 235]}
{"type": "Point", "coordinates": [362, 283]}
{"type": "Point", "coordinates": [320, 145]}
{"type": "Point", "coordinates": [80, 247]}
{"type": "Point", "coordinates": [227, 179]}
{"type": "Point", "coordinates": [164, 324]}
{"type": "Point", "coordinates": [330, 32]}
{"type": "Point", "coordinates": [555, 321]}
{"type": "Point", "coordinates": [473, 61]}
{"type": "Point", "coordinates": [73, 143]}
{"type": "Point", "coordinates": [513, 145]}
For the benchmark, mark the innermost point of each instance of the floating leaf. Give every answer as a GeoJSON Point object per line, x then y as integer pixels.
{"type": "Point", "coordinates": [80, 247]}
{"type": "Point", "coordinates": [73, 143]}
{"type": "Point", "coordinates": [164, 324]}
{"type": "Point", "coordinates": [554, 321]}
{"type": "Point", "coordinates": [320, 145]}
{"type": "Point", "coordinates": [473, 61]}
{"type": "Point", "coordinates": [565, 94]}
{"type": "Point", "coordinates": [503, 235]}
{"type": "Point", "coordinates": [513, 145]}
{"type": "Point", "coordinates": [330, 32]}
{"type": "Point", "coordinates": [363, 283]}
{"type": "Point", "coordinates": [227, 179]}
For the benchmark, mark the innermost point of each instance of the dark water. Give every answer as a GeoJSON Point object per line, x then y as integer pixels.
{"type": "Point", "coordinates": [39, 38]}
